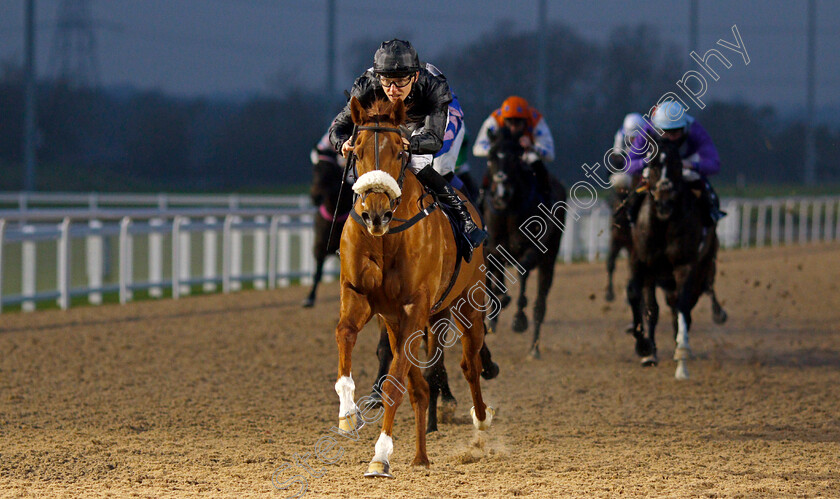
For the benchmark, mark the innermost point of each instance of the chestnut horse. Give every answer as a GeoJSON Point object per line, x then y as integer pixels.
{"type": "Point", "coordinates": [402, 276]}
{"type": "Point", "coordinates": [671, 249]}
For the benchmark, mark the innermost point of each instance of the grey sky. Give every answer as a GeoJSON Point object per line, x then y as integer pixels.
{"type": "Point", "coordinates": [204, 47]}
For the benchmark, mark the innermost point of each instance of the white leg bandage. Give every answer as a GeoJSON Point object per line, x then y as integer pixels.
{"type": "Point", "coordinates": [384, 448]}
{"type": "Point", "coordinates": [345, 388]}
{"type": "Point", "coordinates": [682, 332]}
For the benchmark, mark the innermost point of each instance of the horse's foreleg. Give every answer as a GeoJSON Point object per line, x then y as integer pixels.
{"type": "Point", "coordinates": [520, 320]}
{"type": "Point", "coordinates": [719, 315]}
{"type": "Point", "coordinates": [634, 297]}
{"type": "Point", "coordinates": [316, 279]}
{"type": "Point", "coordinates": [495, 283]}
{"type": "Point", "coordinates": [685, 302]}
{"type": "Point", "coordinates": [652, 317]}
{"type": "Point", "coordinates": [405, 342]}
{"type": "Point", "coordinates": [544, 281]}
{"type": "Point", "coordinates": [355, 312]}
{"type": "Point", "coordinates": [489, 368]}
{"type": "Point", "coordinates": [611, 257]}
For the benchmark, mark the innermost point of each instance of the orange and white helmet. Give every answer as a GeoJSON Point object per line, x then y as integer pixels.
{"type": "Point", "coordinates": [515, 107]}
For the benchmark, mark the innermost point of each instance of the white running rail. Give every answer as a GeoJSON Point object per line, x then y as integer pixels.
{"type": "Point", "coordinates": [64, 245]}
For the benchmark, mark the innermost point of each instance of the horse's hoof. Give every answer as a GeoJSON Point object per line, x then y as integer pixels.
{"type": "Point", "coordinates": [421, 461]}
{"type": "Point", "coordinates": [446, 410]}
{"type": "Point", "coordinates": [378, 470]}
{"type": "Point", "coordinates": [491, 372]}
{"type": "Point", "coordinates": [682, 353]}
{"type": "Point", "coordinates": [609, 295]}
{"type": "Point", "coordinates": [351, 423]}
{"type": "Point", "coordinates": [681, 373]}
{"type": "Point", "coordinates": [431, 427]}
{"type": "Point", "coordinates": [719, 316]}
{"type": "Point", "coordinates": [505, 301]}
{"type": "Point", "coordinates": [650, 361]}
{"type": "Point", "coordinates": [535, 353]}
{"type": "Point", "coordinates": [489, 412]}
{"type": "Point", "coordinates": [308, 303]}
{"type": "Point", "coordinates": [520, 323]}
{"type": "Point", "coordinates": [373, 401]}
{"type": "Point", "coordinates": [645, 347]}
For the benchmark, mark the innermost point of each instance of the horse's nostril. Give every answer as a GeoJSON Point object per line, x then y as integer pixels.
{"type": "Point", "coordinates": [366, 217]}
{"type": "Point", "coordinates": [387, 216]}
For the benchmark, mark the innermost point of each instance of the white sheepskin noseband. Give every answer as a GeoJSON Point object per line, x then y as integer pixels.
{"type": "Point", "coordinates": [377, 181]}
{"type": "Point", "coordinates": [620, 181]}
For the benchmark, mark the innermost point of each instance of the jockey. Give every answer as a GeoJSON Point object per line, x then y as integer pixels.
{"type": "Point", "coordinates": [398, 75]}
{"type": "Point", "coordinates": [699, 155]}
{"type": "Point", "coordinates": [462, 170]}
{"type": "Point", "coordinates": [516, 114]}
{"type": "Point", "coordinates": [624, 137]}
{"type": "Point", "coordinates": [323, 151]}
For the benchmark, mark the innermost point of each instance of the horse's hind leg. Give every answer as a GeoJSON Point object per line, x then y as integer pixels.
{"type": "Point", "coordinates": [436, 377]}
{"type": "Point", "coordinates": [520, 320]}
{"type": "Point", "coordinates": [471, 342]}
{"type": "Point", "coordinates": [686, 299]}
{"type": "Point", "coordinates": [383, 353]}
{"type": "Point", "coordinates": [418, 391]}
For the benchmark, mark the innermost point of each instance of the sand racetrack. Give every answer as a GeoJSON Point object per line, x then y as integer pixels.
{"type": "Point", "coordinates": [209, 395]}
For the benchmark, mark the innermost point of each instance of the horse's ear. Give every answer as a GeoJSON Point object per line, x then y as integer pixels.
{"type": "Point", "coordinates": [398, 113]}
{"type": "Point", "coordinates": [492, 135]}
{"type": "Point", "coordinates": [357, 112]}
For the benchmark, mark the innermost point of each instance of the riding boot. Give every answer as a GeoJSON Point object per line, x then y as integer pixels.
{"type": "Point", "coordinates": [711, 204]}
{"type": "Point", "coordinates": [543, 181]}
{"type": "Point", "coordinates": [445, 193]}
{"type": "Point", "coordinates": [632, 204]}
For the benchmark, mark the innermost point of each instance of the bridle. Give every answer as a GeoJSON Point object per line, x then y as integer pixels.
{"type": "Point", "coordinates": [405, 156]}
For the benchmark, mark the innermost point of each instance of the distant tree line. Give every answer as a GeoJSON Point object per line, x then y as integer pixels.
{"type": "Point", "coordinates": [115, 141]}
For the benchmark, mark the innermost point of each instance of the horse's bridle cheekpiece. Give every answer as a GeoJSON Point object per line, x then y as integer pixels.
{"type": "Point", "coordinates": [406, 158]}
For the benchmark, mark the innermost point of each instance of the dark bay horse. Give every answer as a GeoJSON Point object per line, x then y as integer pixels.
{"type": "Point", "coordinates": [511, 200]}
{"type": "Point", "coordinates": [671, 249]}
{"type": "Point", "coordinates": [620, 236]}
{"type": "Point", "coordinates": [326, 185]}
{"type": "Point", "coordinates": [401, 276]}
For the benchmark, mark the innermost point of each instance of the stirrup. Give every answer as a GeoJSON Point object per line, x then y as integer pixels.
{"type": "Point", "coordinates": [476, 237]}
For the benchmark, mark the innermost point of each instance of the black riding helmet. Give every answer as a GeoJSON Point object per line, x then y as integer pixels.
{"type": "Point", "coordinates": [395, 58]}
